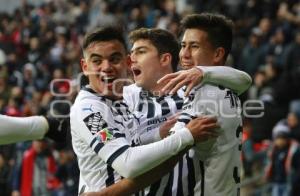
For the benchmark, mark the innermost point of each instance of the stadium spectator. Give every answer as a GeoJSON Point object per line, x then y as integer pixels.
{"type": "Point", "coordinates": [28, 34]}
{"type": "Point", "coordinates": [282, 154]}
{"type": "Point", "coordinates": [38, 169]}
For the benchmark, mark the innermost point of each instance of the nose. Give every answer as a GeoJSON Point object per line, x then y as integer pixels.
{"type": "Point", "coordinates": [132, 58]}
{"type": "Point", "coordinates": [106, 66]}
{"type": "Point", "coordinates": [185, 52]}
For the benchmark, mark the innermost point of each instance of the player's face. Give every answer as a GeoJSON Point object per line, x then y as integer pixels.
{"type": "Point", "coordinates": [145, 64]}
{"type": "Point", "coordinates": [104, 63]}
{"type": "Point", "coordinates": [196, 49]}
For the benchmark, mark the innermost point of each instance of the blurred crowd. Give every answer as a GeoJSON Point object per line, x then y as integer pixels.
{"type": "Point", "coordinates": [40, 49]}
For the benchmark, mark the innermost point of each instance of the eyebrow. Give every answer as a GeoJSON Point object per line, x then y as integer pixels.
{"type": "Point", "coordinates": [100, 56]}
{"type": "Point", "coordinates": [95, 55]}
{"type": "Point", "coordinates": [137, 48]}
{"type": "Point", "coordinates": [190, 42]}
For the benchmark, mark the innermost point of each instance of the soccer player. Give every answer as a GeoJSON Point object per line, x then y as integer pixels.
{"type": "Point", "coordinates": [152, 57]}
{"type": "Point", "coordinates": [102, 126]}
{"type": "Point", "coordinates": [17, 129]}
{"type": "Point", "coordinates": [207, 40]}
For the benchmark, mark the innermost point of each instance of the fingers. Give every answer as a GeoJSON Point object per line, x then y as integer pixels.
{"type": "Point", "coordinates": [178, 86]}
{"type": "Point", "coordinates": [171, 83]}
{"type": "Point", "coordinates": [207, 135]}
{"type": "Point", "coordinates": [167, 77]}
{"type": "Point", "coordinates": [206, 119]}
{"type": "Point", "coordinates": [172, 120]}
{"type": "Point", "coordinates": [188, 89]}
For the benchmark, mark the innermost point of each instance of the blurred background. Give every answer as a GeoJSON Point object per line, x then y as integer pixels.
{"type": "Point", "coordinates": [40, 42]}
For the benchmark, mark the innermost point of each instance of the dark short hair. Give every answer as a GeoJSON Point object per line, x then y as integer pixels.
{"type": "Point", "coordinates": [163, 41]}
{"type": "Point", "coordinates": [104, 34]}
{"type": "Point", "coordinates": [218, 28]}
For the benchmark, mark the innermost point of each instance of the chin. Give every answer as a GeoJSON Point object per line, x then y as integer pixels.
{"type": "Point", "coordinates": [138, 83]}
{"type": "Point", "coordinates": [187, 67]}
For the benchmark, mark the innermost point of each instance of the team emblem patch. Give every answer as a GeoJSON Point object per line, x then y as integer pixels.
{"type": "Point", "coordinates": [94, 122]}
{"type": "Point", "coordinates": [105, 135]}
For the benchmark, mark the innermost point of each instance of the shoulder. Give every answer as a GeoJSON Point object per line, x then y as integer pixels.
{"type": "Point", "coordinates": [131, 94]}
{"type": "Point", "coordinates": [131, 88]}
{"type": "Point", "coordinates": [88, 104]}
{"type": "Point", "coordinates": [209, 91]}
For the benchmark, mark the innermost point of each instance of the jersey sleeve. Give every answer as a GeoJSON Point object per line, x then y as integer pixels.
{"type": "Point", "coordinates": [16, 129]}
{"type": "Point", "coordinates": [140, 159]}
{"type": "Point", "coordinates": [228, 77]}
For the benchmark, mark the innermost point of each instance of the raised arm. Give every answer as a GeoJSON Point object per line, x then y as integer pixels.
{"type": "Point", "coordinates": [231, 78]}
{"type": "Point", "coordinates": [236, 80]}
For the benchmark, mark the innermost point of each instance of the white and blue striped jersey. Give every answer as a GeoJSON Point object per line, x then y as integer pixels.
{"type": "Point", "coordinates": [185, 179]}
{"type": "Point", "coordinates": [153, 112]}
{"type": "Point", "coordinates": [219, 159]}
{"type": "Point", "coordinates": [101, 132]}
{"type": "Point", "coordinates": [89, 115]}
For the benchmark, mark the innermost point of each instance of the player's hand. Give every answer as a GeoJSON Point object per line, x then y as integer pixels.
{"type": "Point", "coordinates": [175, 81]}
{"type": "Point", "coordinates": [58, 128]}
{"type": "Point", "coordinates": [166, 126]}
{"type": "Point", "coordinates": [202, 128]}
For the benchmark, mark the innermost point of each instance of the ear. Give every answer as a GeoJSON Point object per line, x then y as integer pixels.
{"type": "Point", "coordinates": [128, 61]}
{"type": "Point", "coordinates": [219, 56]}
{"type": "Point", "coordinates": [84, 66]}
{"type": "Point", "coordinates": [166, 59]}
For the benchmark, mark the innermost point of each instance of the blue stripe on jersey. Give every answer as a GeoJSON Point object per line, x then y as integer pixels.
{"type": "Point", "coordinates": [191, 175]}
{"type": "Point", "coordinates": [186, 115]}
{"type": "Point", "coordinates": [168, 189]}
{"type": "Point", "coordinates": [185, 121]}
{"type": "Point", "coordinates": [179, 182]}
{"type": "Point", "coordinates": [93, 141]}
{"type": "Point", "coordinates": [118, 135]}
{"type": "Point", "coordinates": [178, 101]}
{"type": "Point", "coordinates": [111, 177]}
{"type": "Point", "coordinates": [117, 153]}
{"type": "Point", "coordinates": [151, 108]}
{"type": "Point", "coordinates": [120, 123]}
{"type": "Point", "coordinates": [165, 108]}
{"type": "Point", "coordinates": [154, 188]}
{"type": "Point", "coordinates": [202, 177]}
{"type": "Point", "coordinates": [98, 147]}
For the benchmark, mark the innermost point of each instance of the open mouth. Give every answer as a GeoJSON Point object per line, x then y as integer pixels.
{"type": "Point", "coordinates": [107, 79]}
{"type": "Point", "coordinates": [136, 71]}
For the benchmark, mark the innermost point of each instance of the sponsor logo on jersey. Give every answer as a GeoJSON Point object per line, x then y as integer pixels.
{"type": "Point", "coordinates": [105, 135]}
{"type": "Point", "coordinates": [88, 108]}
{"type": "Point", "coordinates": [95, 122]}
{"type": "Point", "coordinates": [157, 121]}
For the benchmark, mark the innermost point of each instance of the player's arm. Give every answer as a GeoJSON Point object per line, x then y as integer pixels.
{"type": "Point", "coordinates": [129, 186]}
{"type": "Point", "coordinates": [17, 129]}
{"type": "Point", "coordinates": [228, 77]}
{"type": "Point", "coordinates": [128, 161]}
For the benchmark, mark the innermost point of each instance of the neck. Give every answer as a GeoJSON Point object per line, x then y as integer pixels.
{"type": "Point", "coordinates": [156, 88]}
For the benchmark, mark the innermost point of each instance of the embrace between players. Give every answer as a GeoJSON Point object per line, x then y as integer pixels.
{"type": "Point", "coordinates": [124, 142]}
{"type": "Point", "coordinates": [124, 136]}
